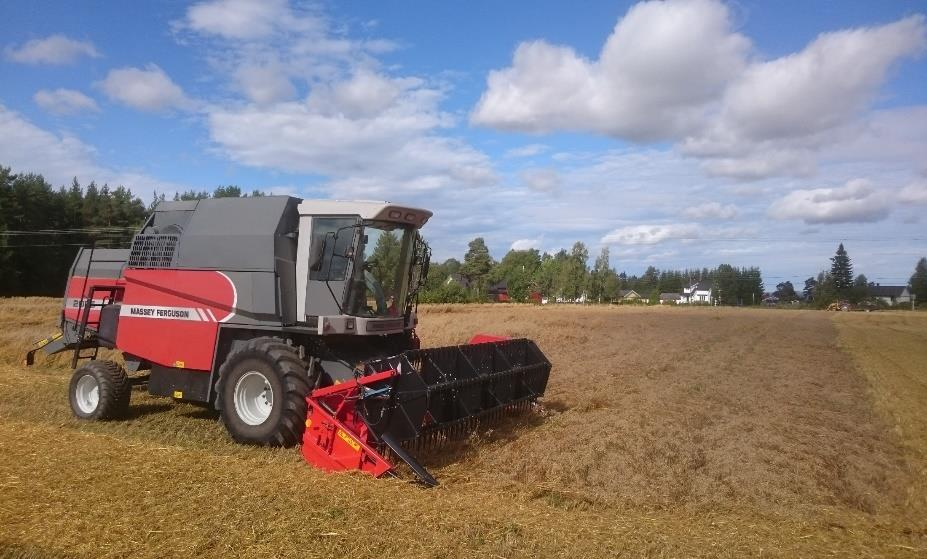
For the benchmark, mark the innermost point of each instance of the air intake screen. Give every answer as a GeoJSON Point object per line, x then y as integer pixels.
{"type": "Point", "coordinates": [152, 251]}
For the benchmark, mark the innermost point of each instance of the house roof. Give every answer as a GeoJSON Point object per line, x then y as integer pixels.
{"type": "Point", "coordinates": [887, 290]}
{"type": "Point", "coordinates": [627, 292]}
{"type": "Point", "coordinates": [670, 296]}
{"type": "Point", "coordinates": [500, 287]}
{"type": "Point", "coordinates": [459, 280]}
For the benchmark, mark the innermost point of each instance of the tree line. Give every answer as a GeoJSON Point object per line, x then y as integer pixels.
{"type": "Point", "coordinates": [42, 227]}
{"type": "Point", "coordinates": [838, 284]}
{"type": "Point", "coordinates": [567, 276]}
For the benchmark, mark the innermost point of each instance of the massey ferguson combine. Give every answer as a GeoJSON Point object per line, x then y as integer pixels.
{"type": "Point", "coordinates": [296, 320]}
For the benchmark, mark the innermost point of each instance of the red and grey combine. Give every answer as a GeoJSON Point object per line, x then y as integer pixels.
{"type": "Point", "coordinates": [296, 320]}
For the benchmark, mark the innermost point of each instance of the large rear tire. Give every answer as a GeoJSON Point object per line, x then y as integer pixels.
{"type": "Point", "coordinates": [100, 390]}
{"type": "Point", "coordinates": [262, 390]}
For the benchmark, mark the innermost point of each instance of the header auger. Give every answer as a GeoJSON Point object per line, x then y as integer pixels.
{"type": "Point", "coordinates": [296, 320]}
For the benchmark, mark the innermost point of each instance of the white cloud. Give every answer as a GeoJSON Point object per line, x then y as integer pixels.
{"type": "Point", "coordinates": [147, 90]}
{"type": "Point", "coordinates": [898, 135]}
{"type": "Point", "coordinates": [368, 94]}
{"type": "Point", "coordinates": [289, 44]}
{"type": "Point", "coordinates": [779, 114]}
{"type": "Point", "coordinates": [240, 19]}
{"type": "Point", "coordinates": [264, 83]}
{"type": "Point", "coordinates": [64, 101]}
{"type": "Point", "coordinates": [824, 85]}
{"type": "Point", "coordinates": [662, 64]}
{"type": "Point", "coordinates": [364, 129]}
{"type": "Point", "coordinates": [637, 237]}
{"type": "Point", "coordinates": [526, 244]}
{"type": "Point", "coordinates": [711, 210]}
{"type": "Point", "coordinates": [914, 193]}
{"type": "Point", "coordinates": [855, 202]}
{"type": "Point", "coordinates": [763, 163]}
{"type": "Point", "coordinates": [529, 150]}
{"type": "Point", "coordinates": [55, 49]}
{"type": "Point", "coordinates": [26, 148]}
{"type": "Point", "coordinates": [678, 71]}
{"type": "Point", "coordinates": [541, 179]}
{"type": "Point", "coordinates": [368, 133]}
{"type": "Point", "coordinates": [652, 234]}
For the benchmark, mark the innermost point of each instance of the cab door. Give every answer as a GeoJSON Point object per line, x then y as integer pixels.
{"type": "Point", "coordinates": [330, 280]}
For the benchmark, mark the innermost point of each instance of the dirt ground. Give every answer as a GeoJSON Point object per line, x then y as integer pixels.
{"type": "Point", "coordinates": [665, 432]}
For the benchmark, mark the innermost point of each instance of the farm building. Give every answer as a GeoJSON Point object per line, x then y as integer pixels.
{"type": "Point", "coordinates": [630, 296]}
{"type": "Point", "coordinates": [459, 280]}
{"type": "Point", "coordinates": [891, 294]}
{"type": "Point", "coordinates": [499, 292]}
{"type": "Point", "coordinates": [698, 293]}
{"type": "Point", "coordinates": [670, 298]}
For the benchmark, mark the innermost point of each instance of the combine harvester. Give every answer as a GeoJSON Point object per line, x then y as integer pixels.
{"type": "Point", "coordinates": [296, 320]}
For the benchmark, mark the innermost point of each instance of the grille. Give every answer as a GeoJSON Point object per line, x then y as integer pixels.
{"type": "Point", "coordinates": [152, 251]}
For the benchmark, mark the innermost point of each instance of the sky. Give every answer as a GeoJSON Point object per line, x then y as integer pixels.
{"type": "Point", "coordinates": [679, 134]}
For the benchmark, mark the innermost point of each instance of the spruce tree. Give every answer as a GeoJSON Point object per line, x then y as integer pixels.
{"type": "Point", "coordinates": [841, 271]}
{"type": "Point", "coordinates": [919, 282]}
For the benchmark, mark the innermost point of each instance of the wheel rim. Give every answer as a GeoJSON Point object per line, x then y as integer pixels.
{"type": "Point", "coordinates": [254, 398]}
{"type": "Point", "coordinates": [87, 394]}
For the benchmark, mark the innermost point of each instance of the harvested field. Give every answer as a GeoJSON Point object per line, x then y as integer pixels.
{"type": "Point", "coordinates": [665, 432]}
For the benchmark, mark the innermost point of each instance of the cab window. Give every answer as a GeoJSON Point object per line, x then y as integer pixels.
{"type": "Point", "coordinates": [335, 258]}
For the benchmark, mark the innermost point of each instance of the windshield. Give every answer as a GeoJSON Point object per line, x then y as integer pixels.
{"type": "Point", "coordinates": [382, 266]}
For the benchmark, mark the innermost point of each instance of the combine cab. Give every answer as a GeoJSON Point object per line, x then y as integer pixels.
{"type": "Point", "coordinates": [296, 320]}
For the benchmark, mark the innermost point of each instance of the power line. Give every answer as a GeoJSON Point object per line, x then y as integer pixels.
{"type": "Point", "coordinates": [81, 231]}
{"type": "Point", "coordinates": [99, 243]}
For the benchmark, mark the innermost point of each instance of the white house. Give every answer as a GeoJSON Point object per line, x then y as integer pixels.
{"type": "Point", "coordinates": [698, 293]}
{"type": "Point", "coordinates": [891, 294]}
{"type": "Point", "coordinates": [630, 296]}
{"type": "Point", "coordinates": [561, 299]}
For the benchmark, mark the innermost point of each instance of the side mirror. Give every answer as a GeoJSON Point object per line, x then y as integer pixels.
{"type": "Point", "coordinates": [315, 253]}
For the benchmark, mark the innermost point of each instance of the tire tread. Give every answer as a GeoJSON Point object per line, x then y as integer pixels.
{"type": "Point", "coordinates": [291, 370]}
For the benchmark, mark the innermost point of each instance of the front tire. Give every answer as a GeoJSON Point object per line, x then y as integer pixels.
{"type": "Point", "coordinates": [100, 390]}
{"type": "Point", "coordinates": [262, 389]}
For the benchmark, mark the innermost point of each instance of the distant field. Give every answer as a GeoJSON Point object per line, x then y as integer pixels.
{"type": "Point", "coordinates": [665, 432]}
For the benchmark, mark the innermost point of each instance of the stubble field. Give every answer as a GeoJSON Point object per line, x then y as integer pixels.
{"type": "Point", "coordinates": [665, 432]}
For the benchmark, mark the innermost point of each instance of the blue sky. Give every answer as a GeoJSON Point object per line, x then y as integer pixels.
{"type": "Point", "coordinates": [684, 133]}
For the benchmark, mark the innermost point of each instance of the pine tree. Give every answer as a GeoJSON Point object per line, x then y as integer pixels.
{"type": "Point", "coordinates": [385, 261]}
{"type": "Point", "coordinates": [477, 264]}
{"type": "Point", "coordinates": [808, 292]}
{"type": "Point", "coordinates": [841, 272]}
{"type": "Point", "coordinates": [725, 285]}
{"type": "Point", "coordinates": [39, 264]}
{"type": "Point", "coordinates": [229, 191]}
{"type": "Point", "coordinates": [919, 282]}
